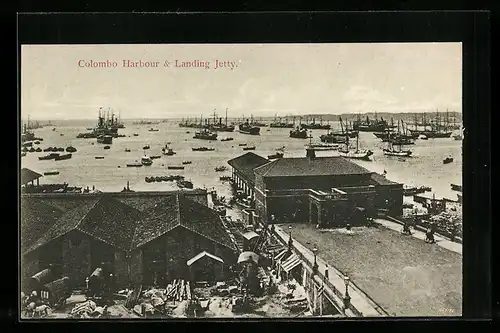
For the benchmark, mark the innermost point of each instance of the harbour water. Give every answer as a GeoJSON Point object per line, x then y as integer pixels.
{"type": "Point", "coordinates": [425, 167]}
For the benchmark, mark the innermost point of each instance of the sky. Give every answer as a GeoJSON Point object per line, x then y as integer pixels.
{"type": "Point", "coordinates": [266, 80]}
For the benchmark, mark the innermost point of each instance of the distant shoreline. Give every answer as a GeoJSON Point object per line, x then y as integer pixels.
{"type": "Point", "coordinates": [324, 117]}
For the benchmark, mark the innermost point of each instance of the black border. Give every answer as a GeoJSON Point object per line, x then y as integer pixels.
{"type": "Point", "coordinates": [470, 28]}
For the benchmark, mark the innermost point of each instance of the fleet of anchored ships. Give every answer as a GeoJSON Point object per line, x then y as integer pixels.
{"type": "Point", "coordinates": [396, 135]}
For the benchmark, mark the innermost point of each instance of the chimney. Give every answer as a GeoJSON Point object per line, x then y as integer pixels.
{"type": "Point", "coordinates": [310, 154]}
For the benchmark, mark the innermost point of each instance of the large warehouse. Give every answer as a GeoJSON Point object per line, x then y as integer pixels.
{"type": "Point", "coordinates": [140, 237]}
{"type": "Point", "coordinates": [326, 191]}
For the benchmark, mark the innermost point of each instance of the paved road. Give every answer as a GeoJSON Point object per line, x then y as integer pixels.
{"type": "Point", "coordinates": [358, 300]}
{"type": "Point", "coordinates": [440, 241]}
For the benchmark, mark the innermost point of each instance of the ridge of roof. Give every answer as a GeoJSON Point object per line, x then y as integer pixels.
{"type": "Point", "coordinates": [201, 255]}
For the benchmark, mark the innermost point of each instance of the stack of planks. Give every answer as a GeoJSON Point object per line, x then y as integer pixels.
{"type": "Point", "coordinates": [178, 290]}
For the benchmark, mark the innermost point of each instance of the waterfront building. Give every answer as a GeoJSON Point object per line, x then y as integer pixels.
{"type": "Point", "coordinates": [139, 237]}
{"type": "Point", "coordinates": [325, 191]}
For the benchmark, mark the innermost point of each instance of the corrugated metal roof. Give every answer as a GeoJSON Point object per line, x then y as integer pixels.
{"type": "Point", "coordinates": [292, 262]}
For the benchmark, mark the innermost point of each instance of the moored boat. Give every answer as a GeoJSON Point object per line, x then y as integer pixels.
{"type": "Point", "coordinates": [226, 139]}
{"type": "Point", "coordinates": [153, 130]}
{"type": "Point", "coordinates": [175, 167]}
{"type": "Point", "coordinates": [105, 139]}
{"type": "Point", "coordinates": [205, 134]}
{"type": "Point", "coordinates": [184, 184]}
{"type": "Point", "coordinates": [299, 133]}
{"type": "Point", "coordinates": [146, 160]}
{"type": "Point", "coordinates": [249, 148]}
{"type": "Point", "coordinates": [324, 146]}
{"type": "Point", "coordinates": [186, 162]}
{"type": "Point", "coordinates": [99, 157]}
{"type": "Point", "coordinates": [134, 165]}
{"type": "Point", "coordinates": [247, 128]}
{"type": "Point", "coordinates": [71, 149]}
{"type": "Point", "coordinates": [51, 156]}
{"type": "Point", "coordinates": [225, 178]}
{"type": "Point", "coordinates": [146, 147]}
{"type": "Point", "coordinates": [63, 157]}
{"type": "Point", "coordinates": [127, 150]}
{"type": "Point", "coordinates": [38, 150]}
{"type": "Point", "coordinates": [107, 147]}
{"type": "Point", "coordinates": [203, 149]}
{"type": "Point", "coordinates": [51, 173]}
{"type": "Point", "coordinates": [220, 168]}
{"type": "Point", "coordinates": [448, 160]}
{"type": "Point", "coordinates": [275, 156]}
{"type": "Point", "coordinates": [456, 187]}
{"type": "Point", "coordinates": [167, 151]}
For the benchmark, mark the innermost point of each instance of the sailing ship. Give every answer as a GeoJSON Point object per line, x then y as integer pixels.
{"type": "Point", "coordinates": [27, 135]}
{"type": "Point", "coordinates": [106, 125]}
{"type": "Point", "coordinates": [339, 137]}
{"type": "Point", "coordinates": [257, 123]}
{"type": "Point", "coordinates": [368, 125]}
{"type": "Point", "coordinates": [360, 154]}
{"type": "Point", "coordinates": [437, 129]}
{"type": "Point", "coordinates": [248, 128]}
{"type": "Point", "coordinates": [391, 151]}
{"type": "Point", "coordinates": [299, 133]}
{"type": "Point", "coordinates": [220, 126]}
{"type": "Point", "coordinates": [280, 124]}
{"type": "Point", "coordinates": [314, 125]}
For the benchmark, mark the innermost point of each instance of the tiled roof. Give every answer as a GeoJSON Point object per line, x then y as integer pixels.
{"type": "Point", "coordinates": [103, 218]}
{"type": "Point", "coordinates": [36, 218]}
{"type": "Point", "coordinates": [28, 175]}
{"type": "Point", "coordinates": [108, 219]}
{"type": "Point", "coordinates": [177, 211]}
{"type": "Point", "coordinates": [318, 166]}
{"type": "Point", "coordinates": [381, 180]}
{"type": "Point", "coordinates": [246, 163]}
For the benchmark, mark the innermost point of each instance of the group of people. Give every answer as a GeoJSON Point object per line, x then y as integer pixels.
{"type": "Point", "coordinates": [429, 233]}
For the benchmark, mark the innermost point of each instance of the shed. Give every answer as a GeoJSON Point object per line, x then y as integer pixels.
{"type": "Point", "coordinates": [56, 292]}
{"type": "Point", "coordinates": [206, 267]}
{"type": "Point", "coordinates": [29, 176]}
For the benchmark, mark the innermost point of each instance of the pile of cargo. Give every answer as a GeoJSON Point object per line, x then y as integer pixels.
{"type": "Point", "coordinates": [88, 309]}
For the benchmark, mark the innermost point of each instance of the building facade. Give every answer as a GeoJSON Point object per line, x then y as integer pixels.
{"type": "Point", "coordinates": [326, 191]}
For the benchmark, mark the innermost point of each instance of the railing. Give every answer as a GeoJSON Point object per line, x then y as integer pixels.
{"type": "Point", "coordinates": [337, 292]}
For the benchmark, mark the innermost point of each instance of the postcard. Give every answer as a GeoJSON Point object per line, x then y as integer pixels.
{"type": "Point", "coordinates": [241, 181]}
